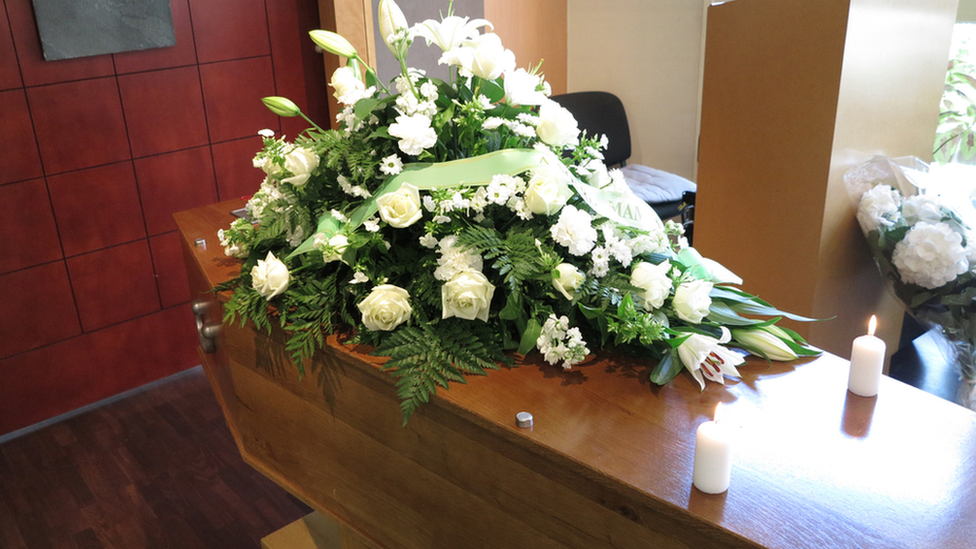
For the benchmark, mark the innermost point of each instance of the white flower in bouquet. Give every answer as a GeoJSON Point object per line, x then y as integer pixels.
{"type": "Point", "coordinates": [691, 300]}
{"type": "Point", "coordinates": [301, 162]}
{"type": "Point", "coordinates": [574, 229]}
{"type": "Point", "coordinates": [483, 56]}
{"type": "Point", "coordinates": [467, 295]}
{"type": "Point", "coordinates": [597, 174]}
{"type": "Point", "coordinates": [557, 126]}
{"type": "Point", "coordinates": [921, 208]}
{"type": "Point", "coordinates": [414, 132]}
{"type": "Point", "coordinates": [332, 248]}
{"type": "Point", "coordinates": [558, 342]}
{"type": "Point", "coordinates": [392, 21]}
{"type": "Point", "coordinates": [449, 32]}
{"type": "Point", "coordinates": [454, 259]}
{"type": "Point", "coordinates": [400, 209]}
{"type": "Point", "coordinates": [656, 282]}
{"type": "Point", "coordinates": [270, 276]}
{"type": "Point", "coordinates": [391, 165]}
{"type": "Point", "coordinates": [878, 206]}
{"type": "Point", "coordinates": [766, 340]}
{"type": "Point", "coordinates": [568, 280]}
{"type": "Point", "coordinates": [348, 87]}
{"type": "Point", "coordinates": [524, 88]}
{"type": "Point", "coordinates": [702, 354]}
{"type": "Point", "coordinates": [931, 255]}
{"type": "Point", "coordinates": [386, 307]}
{"type": "Point", "coordinates": [547, 192]}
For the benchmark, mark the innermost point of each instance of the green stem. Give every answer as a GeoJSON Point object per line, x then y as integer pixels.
{"type": "Point", "coordinates": [307, 119]}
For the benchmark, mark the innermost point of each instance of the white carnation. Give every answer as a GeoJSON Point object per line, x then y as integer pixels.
{"type": "Point", "coordinates": [574, 230]}
{"type": "Point", "coordinates": [921, 208]}
{"type": "Point", "coordinates": [414, 132]}
{"type": "Point", "coordinates": [878, 206]}
{"type": "Point", "coordinates": [931, 255]}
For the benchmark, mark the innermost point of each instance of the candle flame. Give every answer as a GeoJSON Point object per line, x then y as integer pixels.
{"type": "Point", "coordinates": [872, 324]}
{"type": "Point", "coordinates": [718, 413]}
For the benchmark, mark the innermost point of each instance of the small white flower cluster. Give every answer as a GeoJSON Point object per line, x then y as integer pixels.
{"type": "Point", "coordinates": [523, 127]}
{"type": "Point", "coordinates": [558, 342]}
{"type": "Point", "coordinates": [508, 190]}
{"type": "Point", "coordinates": [409, 104]}
{"type": "Point", "coordinates": [237, 239]}
{"type": "Point", "coordinates": [353, 190]}
{"type": "Point", "coordinates": [331, 247]}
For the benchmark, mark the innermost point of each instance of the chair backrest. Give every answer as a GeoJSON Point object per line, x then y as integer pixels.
{"type": "Point", "coordinates": [598, 113]}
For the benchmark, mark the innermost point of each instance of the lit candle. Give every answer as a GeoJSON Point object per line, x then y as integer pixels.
{"type": "Point", "coordinates": [867, 361]}
{"type": "Point", "coordinates": [713, 456]}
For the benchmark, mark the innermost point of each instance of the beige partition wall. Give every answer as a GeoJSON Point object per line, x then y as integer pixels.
{"type": "Point", "coordinates": [794, 93]}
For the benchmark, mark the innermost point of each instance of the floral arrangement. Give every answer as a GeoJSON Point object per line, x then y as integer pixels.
{"type": "Point", "coordinates": [453, 224]}
{"type": "Point", "coordinates": [918, 224]}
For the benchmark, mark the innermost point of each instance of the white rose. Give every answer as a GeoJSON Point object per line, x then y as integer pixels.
{"type": "Point", "coordinates": [546, 192]}
{"type": "Point", "coordinates": [270, 276]}
{"type": "Point", "coordinates": [692, 300]}
{"type": "Point", "coordinates": [557, 127]}
{"type": "Point", "coordinates": [467, 295]}
{"type": "Point", "coordinates": [386, 307]}
{"type": "Point", "coordinates": [266, 165]}
{"type": "Point", "coordinates": [931, 255]}
{"type": "Point", "coordinates": [414, 132]}
{"type": "Point", "coordinates": [655, 282]}
{"type": "Point", "coordinates": [568, 281]}
{"type": "Point", "coordinates": [878, 206]}
{"type": "Point", "coordinates": [300, 162]}
{"type": "Point", "coordinates": [401, 208]}
{"type": "Point", "coordinates": [348, 87]}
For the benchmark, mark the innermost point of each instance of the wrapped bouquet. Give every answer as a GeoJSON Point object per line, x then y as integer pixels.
{"type": "Point", "coordinates": [454, 224]}
{"type": "Point", "coordinates": [919, 225]}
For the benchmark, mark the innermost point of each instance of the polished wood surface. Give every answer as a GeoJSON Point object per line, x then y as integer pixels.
{"type": "Point", "coordinates": [608, 462]}
{"type": "Point", "coordinates": [155, 469]}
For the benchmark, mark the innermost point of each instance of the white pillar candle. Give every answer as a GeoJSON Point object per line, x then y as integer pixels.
{"type": "Point", "coordinates": [713, 456]}
{"type": "Point", "coordinates": [867, 361]}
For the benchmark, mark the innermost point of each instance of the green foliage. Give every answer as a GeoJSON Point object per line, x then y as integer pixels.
{"type": "Point", "coordinates": [431, 355]}
{"type": "Point", "coordinates": [632, 324]}
{"type": "Point", "coordinates": [956, 134]}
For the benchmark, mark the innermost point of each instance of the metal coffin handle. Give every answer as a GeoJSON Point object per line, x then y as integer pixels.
{"type": "Point", "coordinates": [206, 333]}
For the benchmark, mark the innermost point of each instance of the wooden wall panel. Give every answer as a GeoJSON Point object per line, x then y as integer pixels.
{"type": "Point", "coordinates": [534, 31]}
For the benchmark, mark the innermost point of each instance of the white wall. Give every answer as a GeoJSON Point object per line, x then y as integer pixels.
{"type": "Point", "coordinates": [648, 53]}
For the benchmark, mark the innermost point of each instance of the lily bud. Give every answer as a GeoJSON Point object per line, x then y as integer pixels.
{"type": "Point", "coordinates": [391, 20]}
{"type": "Point", "coordinates": [762, 340]}
{"type": "Point", "coordinates": [281, 106]}
{"type": "Point", "coordinates": [333, 43]}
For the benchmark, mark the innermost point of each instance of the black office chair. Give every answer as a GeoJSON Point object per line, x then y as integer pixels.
{"type": "Point", "coordinates": [599, 113]}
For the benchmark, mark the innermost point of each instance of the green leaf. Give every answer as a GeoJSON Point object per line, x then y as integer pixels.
{"type": "Point", "coordinates": [364, 107]}
{"type": "Point", "coordinates": [666, 369]}
{"type": "Point", "coordinates": [529, 337]}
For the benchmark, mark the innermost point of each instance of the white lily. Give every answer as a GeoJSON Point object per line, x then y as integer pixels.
{"type": "Point", "coordinates": [767, 340]}
{"type": "Point", "coordinates": [450, 32]}
{"type": "Point", "coordinates": [391, 20]}
{"type": "Point", "coordinates": [705, 357]}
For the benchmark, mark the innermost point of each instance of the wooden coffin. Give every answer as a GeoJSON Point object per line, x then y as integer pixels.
{"type": "Point", "coordinates": [608, 461]}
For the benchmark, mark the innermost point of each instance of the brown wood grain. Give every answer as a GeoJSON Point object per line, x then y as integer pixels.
{"type": "Point", "coordinates": [608, 461]}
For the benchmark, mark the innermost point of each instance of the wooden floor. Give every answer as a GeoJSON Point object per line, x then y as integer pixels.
{"type": "Point", "coordinates": [157, 469]}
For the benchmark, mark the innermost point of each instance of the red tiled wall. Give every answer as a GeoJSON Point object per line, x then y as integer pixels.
{"type": "Point", "coordinates": [98, 153]}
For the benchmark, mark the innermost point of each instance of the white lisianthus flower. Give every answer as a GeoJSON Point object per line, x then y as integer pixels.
{"type": "Point", "coordinates": [878, 206]}
{"type": "Point", "coordinates": [522, 88]}
{"type": "Point", "coordinates": [546, 192]}
{"type": "Point", "coordinates": [270, 277]}
{"type": "Point", "coordinates": [931, 255]}
{"type": "Point", "coordinates": [655, 282]}
{"type": "Point", "coordinates": [386, 307]}
{"type": "Point", "coordinates": [691, 300]}
{"type": "Point", "coordinates": [391, 165]}
{"type": "Point", "coordinates": [415, 133]}
{"type": "Point", "coordinates": [467, 295]}
{"type": "Point", "coordinates": [702, 354]}
{"type": "Point", "coordinates": [921, 208]}
{"type": "Point", "coordinates": [449, 32]}
{"type": "Point", "coordinates": [332, 247]}
{"type": "Point", "coordinates": [574, 230]}
{"type": "Point", "coordinates": [765, 340]}
{"type": "Point", "coordinates": [557, 127]}
{"type": "Point", "coordinates": [347, 85]}
{"type": "Point", "coordinates": [568, 281]}
{"type": "Point", "coordinates": [400, 209]}
{"type": "Point", "coordinates": [301, 162]}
